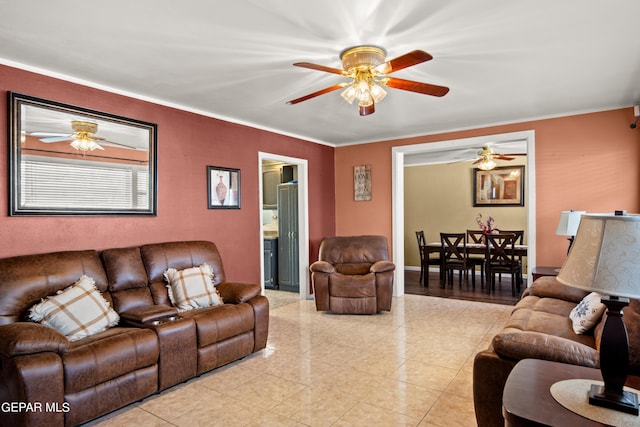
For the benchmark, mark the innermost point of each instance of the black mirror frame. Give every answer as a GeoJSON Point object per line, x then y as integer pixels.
{"type": "Point", "coordinates": [15, 102]}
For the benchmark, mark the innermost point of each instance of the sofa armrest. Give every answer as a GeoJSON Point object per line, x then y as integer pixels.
{"type": "Point", "coordinates": [22, 338]}
{"type": "Point", "coordinates": [322, 267]}
{"type": "Point", "coordinates": [536, 345]}
{"type": "Point", "coordinates": [548, 286]}
{"type": "Point", "coordinates": [490, 373]}
{"type": "Point", "coordinates": [237, 293]}
{"type": "Point", "coordinates": [382, 266]}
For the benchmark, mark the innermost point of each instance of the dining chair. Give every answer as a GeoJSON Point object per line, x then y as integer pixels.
{"type": "Point", "coordinates": [477, 237]}
{"type": "Point", "coordinates": [501, 258]}
{"type": "Point", "coordinates": [426, 259]}
{"type": "Point", "coordinates": [454, 252]}
{"type": "Point", "coordinates": [519, 241]}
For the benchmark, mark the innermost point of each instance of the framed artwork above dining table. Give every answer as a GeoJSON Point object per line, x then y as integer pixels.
{"type": "Point", "coordinates": [501, 186]}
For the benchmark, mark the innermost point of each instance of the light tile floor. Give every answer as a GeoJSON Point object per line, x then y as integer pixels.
{"type": "Point", "coordinates": [408, 367]}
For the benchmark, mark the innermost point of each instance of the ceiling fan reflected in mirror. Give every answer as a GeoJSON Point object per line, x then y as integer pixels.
{"type": "Point", "coordinates": [368, 68]}
{"type": "Point", "coordinates": [82, 139]}
{"type": "Point", "coordinates": [486, 157]}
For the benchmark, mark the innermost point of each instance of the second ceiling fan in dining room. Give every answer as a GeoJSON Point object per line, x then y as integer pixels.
{"type": "Point", "coordinates": [486, 157]}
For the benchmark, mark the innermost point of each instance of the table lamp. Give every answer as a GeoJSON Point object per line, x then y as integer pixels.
{"type": "Point", "coordinates": [568, 225]}
{"type": "Point", "coordinates": [605, 258]}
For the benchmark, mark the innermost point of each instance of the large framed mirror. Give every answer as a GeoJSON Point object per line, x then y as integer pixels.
{"type": "Point", "coordinates": [68, 160]}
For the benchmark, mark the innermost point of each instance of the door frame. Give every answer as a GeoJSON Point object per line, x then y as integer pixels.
{"type": "Point", "coordinates": [397, 192]}
{"type": "Point", "coordinates": [303, 217]}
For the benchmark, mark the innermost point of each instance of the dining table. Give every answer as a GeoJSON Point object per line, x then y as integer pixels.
{"type": "Point", "coordinates": [472, 248]}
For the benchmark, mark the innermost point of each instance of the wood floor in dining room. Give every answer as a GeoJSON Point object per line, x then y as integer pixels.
{"type": "Point", "coordinates": [501, 295]}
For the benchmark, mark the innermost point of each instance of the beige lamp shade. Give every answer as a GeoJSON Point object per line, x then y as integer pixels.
{"type": "Point", "coordinates": [568, 223]}
{"type": "Point", "coordinates": [605, 256]}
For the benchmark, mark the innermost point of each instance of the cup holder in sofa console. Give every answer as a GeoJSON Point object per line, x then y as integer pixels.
{"type": "Point", "coordinates": [164, 320]}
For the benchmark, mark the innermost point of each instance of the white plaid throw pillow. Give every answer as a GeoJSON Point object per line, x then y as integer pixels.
{"type": "Point", "coordinates": [192, 288]}
{"type": "Point", "coordinates": [76, 312]}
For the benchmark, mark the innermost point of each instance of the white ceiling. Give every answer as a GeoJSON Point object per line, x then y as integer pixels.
{"type": "Point", "coordinates": [504, 60]}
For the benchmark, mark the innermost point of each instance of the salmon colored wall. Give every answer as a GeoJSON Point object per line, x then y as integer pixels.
{"type": "Point", "coordinates": [585, 162]}
{"type": "Point", "coordinates": [187, 143]}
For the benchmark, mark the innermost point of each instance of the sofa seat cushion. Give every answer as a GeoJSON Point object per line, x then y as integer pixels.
{"type": "Point", "coordinates": [546, 316]}
{"type": "Point", "coordinates": [215, 324]}
{"type": "Point", "coordinates": [108, 355]}
{"type": "Point", "coordinates": [344, 286]}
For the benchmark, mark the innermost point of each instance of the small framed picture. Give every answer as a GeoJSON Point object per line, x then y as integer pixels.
{"type": "Point", "coordinates": [223, 188]}
{"type": "Point", "coordinates": [362, 183]}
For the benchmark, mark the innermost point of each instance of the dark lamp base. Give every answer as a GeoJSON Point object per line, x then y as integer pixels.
{"type": "Point", "coordinates": [625, 402]}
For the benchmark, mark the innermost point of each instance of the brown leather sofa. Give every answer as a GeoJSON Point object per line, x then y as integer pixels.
{"type": "Point", "coordinates": [353, 275]}
{"type": "Point", "coordinates": [539, 328]}
{"type": "Point", "coordinates": [46, 379]}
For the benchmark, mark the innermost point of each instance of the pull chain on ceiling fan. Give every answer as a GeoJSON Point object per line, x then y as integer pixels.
{"type": "Point", "coordinates": [366, 67]}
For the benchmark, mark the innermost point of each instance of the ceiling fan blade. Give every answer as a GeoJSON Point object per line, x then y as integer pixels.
{"type": "Point", "coordinates": [47, 134]}
{"type": "Point", "coordinates": [424, 88]}
{"type": "Point", "coordinates": [56, 138]}
{"type": "Point", "coordinates": [318, 93]}
{"type": "Point", "coordinates": [403, 61]}
{"type": "Point", "coordinates": [104, 141]}
{"type": "Point", "coordinates": [476, 162]}
{"type": "Point", "coordinates": [502, 157]}
{"type": "Point", "coordinates": [319, 68]}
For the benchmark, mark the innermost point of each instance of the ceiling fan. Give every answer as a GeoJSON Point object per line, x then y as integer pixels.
{"type": "Point", "coordinates": [486, 157]}
{"type": "Point", "coordinates": [367, 68]}
{"type": "Point", "coordinates": [83, 137]}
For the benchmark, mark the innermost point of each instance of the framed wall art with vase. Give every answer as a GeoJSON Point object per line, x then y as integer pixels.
{"type": "Point", "coordinates": [223, 188]}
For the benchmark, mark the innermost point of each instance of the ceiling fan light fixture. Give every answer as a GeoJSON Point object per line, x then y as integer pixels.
{"type": "Point", "coordinates": [359, 63]}
{"type": "Point", "coordinates": [487, 164]}
{"type": "Point", "coordinates": [349, 94]}
{"type": "Point", "coordinates": [377, 93]}
{"type": "Point", "coordinates": [82, 142]}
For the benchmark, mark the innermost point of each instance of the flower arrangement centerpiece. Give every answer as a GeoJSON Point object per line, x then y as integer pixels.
{"type": "Point", "coordinates": [486, 225]}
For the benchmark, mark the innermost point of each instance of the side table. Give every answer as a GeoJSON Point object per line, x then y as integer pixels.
{"type": "Point", "coordinates": [544, 271]}
{"type": "Point", "coordinates": [527, 400]}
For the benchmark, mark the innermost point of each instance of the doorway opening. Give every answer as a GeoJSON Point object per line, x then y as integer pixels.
{"type": "Point", "coordinates": [402, 155]}
{"type": "Point", "coordinates": [284, 224]}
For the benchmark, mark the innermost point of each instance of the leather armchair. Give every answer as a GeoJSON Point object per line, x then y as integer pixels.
{"type": "Point", "coordinates": [353, 275]}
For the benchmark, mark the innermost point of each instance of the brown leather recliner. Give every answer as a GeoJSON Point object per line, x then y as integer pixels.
{"type": "Point", "coordinates": [353, 275]}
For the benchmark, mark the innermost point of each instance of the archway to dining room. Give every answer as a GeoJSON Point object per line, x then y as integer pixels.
{"type": "Point", "coordinates": [444, 152]}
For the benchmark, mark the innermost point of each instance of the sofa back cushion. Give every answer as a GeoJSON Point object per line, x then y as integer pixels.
{"type": "Point", "coordinates": [159, 257]}
{"type": "Point", "coordinates": [25, 280]}
{"type": "Point", "coordinates": [353, 255]}
{"type": "Point", "coordinates": [127, 279]}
